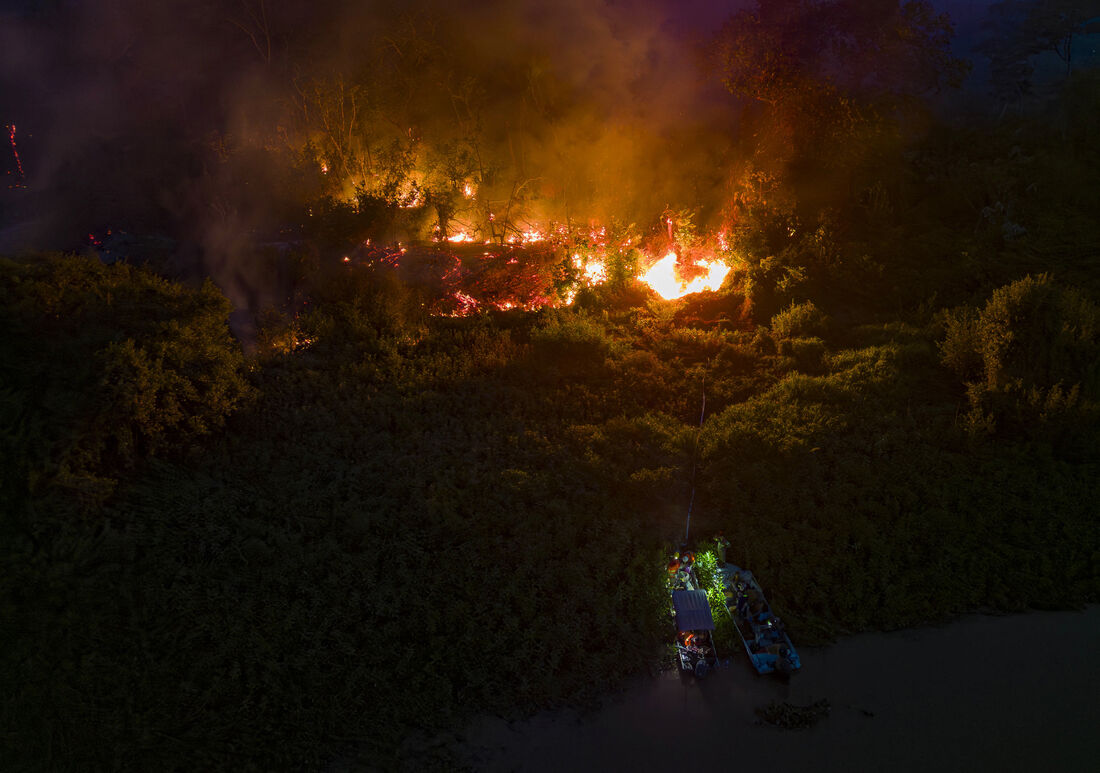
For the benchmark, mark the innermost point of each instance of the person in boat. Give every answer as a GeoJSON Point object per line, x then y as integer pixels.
{"type": "Point", "coordinates": [742, 605]}
{"type": "Point", "coordinates": [678, 573]}
{"type": "Point", "coordinates": [772, 631]}
{"type": "Point", "coordinates": [674, 566]}
{"type": "Point", "coordinates": [690, 640]}
{"type": "Point", "coordinates": [687, 564]}
{"type": "Point", "coordinates": [723, 543]}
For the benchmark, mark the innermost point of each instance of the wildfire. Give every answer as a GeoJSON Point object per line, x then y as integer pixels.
{"type": "Point", "coordinates": [592, 270]}
{"type": "Point", "coordinates": [663, 276]}
{"type": "Point", "coordinates": [530, 236]}
{"type": "Point", "coordinates": [468, 190]}
{"type": "Point", "coordinates": [466, 304]}
{"type": "Point", "coordinates": [506, 276]}
{"type": "Point", "coordinates": [411, 195]}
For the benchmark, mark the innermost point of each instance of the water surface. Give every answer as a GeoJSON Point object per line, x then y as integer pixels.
{"type": "Point", "coordinates": [984, 693]}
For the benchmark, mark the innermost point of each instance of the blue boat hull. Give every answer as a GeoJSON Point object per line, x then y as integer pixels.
{"type": "Point", "coordinates": [766, 641]}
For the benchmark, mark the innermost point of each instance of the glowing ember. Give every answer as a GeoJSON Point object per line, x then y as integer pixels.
{"type": "Point", "coordinates": [530, 236]}
{"type": "Point", "coordinates": [664, 278]}
{"type": "Point", "coordinates": [466, 304]}
{"type": "Point", "coordinates": [15, 152]}
{"type": "Point", "coordinates": [324, 167]}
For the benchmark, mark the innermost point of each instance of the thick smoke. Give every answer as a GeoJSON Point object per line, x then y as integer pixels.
{"type": "Point", "coordinates": [191, 119]}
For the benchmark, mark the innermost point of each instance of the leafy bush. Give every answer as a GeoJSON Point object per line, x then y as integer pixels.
{"type": "Point", "coordinates": [1038, 333]}
{"type": "Point", "coordinates": [109, 364]}
{"type": "Point", "coordinates": [569, 333]}
{"type": "Point", "coordinates": [960, 350]}
{"type": "Point", "coordinates": [807, 354]}
{"type": "Point", "coordinates": [1031, 361]}
{"type": "Point", "coordinates": [798, 320]}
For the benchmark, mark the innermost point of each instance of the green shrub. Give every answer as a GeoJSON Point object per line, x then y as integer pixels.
{"type": "Point", "coordinates": [1042, 334]}
{"type": "Point", "coordinates": [798, 319]}
{"type": "Point", "coordinates": [110, 364]}
{"type": "Point", "coordinates": [569, 333]}
{"type": "Point", "coordinates": [1031, 361]}
{"type": "Point", "coordinates": [808, 354]}
{"type": "Point", "coordinates": [960, 350]}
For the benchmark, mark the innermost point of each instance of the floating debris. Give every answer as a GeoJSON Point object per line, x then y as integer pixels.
{"type": "Point", "coordinates": [791, 717]}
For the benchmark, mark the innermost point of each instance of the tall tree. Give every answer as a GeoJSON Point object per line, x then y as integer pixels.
{"type": "Point", "coordinates": [823, 66]}
{"type": "Point", "coordinates": [1018, 31]}
{"type": "Point", "coordinates": [832, 89]}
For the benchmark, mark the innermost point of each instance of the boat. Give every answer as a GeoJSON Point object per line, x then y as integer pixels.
{"type": "Point", "coordinates": [765, 639]}
{"type": "Point", "coordinates": [694, 623]}
{"type": "Point", "coordinates": [694, 632]}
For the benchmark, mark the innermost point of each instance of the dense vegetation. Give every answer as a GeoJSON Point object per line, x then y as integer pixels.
{"type": "Point", "coordinates": [382, 521]}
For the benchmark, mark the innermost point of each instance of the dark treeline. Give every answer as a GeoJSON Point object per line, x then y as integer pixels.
{"type": "Point", "coordinates": [337, 548]}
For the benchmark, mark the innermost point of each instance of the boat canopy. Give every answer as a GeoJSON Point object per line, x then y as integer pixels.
{"type": "Point", "coordinates": [692, 610]}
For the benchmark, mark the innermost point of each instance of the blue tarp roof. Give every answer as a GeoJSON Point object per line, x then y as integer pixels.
{"type": "Point", "coordinates": [692, 610]}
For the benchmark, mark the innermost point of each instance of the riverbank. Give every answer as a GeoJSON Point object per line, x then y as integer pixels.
{"type": "Point", "coordinates": [1017, 692]}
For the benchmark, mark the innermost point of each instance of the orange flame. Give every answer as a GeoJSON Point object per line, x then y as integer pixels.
{"type": "Point", "coordinates": [663, 276]}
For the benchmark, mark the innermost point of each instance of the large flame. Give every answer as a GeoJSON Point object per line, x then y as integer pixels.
{"type": "Point", "coordinates": [664, 278]}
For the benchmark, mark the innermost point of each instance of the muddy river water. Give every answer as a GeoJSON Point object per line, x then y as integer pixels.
{"type": "Point", "coordinates": [984, 693]}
